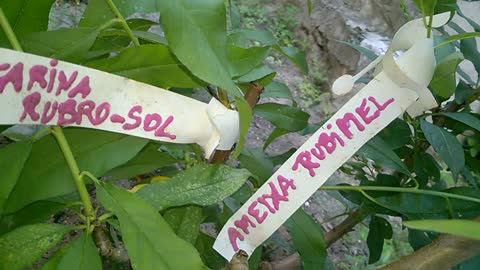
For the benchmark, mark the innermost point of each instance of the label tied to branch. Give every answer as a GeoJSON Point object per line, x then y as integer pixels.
{"type": "Point", "coordinates": [381, 101]}
{"type": "Point", "coordinates": [38, 90]}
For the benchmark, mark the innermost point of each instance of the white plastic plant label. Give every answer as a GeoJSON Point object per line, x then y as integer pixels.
{"type": "Point", "coordinates": [38, 90]}
{"type": "Point", "coordinates": [390, 93]}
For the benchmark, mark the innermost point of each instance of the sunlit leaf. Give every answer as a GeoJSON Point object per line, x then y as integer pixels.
{"type": "Point", "coordinates": [202, 184]}
{"type": "Point", "coordinates": [24, 245]}
{"type": "Point", "coordinates": [150, 242]}
{"type": "Point", "coordinates": [460, 227]}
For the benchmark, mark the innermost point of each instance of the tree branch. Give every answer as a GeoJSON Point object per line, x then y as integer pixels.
{"type": "Point", "coordinates": [444, 252]}
{"type": "Point", "coordinates": [346, 225]}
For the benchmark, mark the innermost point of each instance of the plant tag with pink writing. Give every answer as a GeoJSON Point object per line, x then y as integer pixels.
{"type": "Point", "coordinates": [38, 90]}
{"type": "Point", "coordinates": [399, 86]}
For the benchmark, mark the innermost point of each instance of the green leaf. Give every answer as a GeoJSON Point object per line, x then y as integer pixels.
{"type": "Point", "coordinates": [24, 245]}
{"type": "Point", "coordinates": [465, 118]}
{"type": "Point", "coordinates": [36, 212]}
{"type": "Point", "coordinates": [150, 242]}
{"type": "Point", "coordinates": [397, 134]}
{"type": "Point", "coordinates": [262, 74]}
{"type": "Point", "coordinates": [255, 161]}
{"type": "Point", "coordinates": [457, 37]}
{"type": "Point", "coordinates": [70, 44]}
{"type": "Point", "coordinates": [200, 41]}
{"type": "Point", "coordinates": [470, 264]}
{"type": "Point", "coordinates": [234, 15]}
{"type": "Point", "coordinates": [273, 135]}
{"type": "Point", "coordinates": [460, 227]}
{"type": "Point", "coordinates": [380, 229]}
{"type": "Point", "coordinates": [381, 153]}
{"type": "Point", "coordinates": [371, 55]}
{"type": "Point", "coordinates": [276, 89]}
{"type": "Point", "coordinates": [420, 205]}
{"type": "Point", "coordinates": [202, 184]}
{"type": "Point", "coordinates": [426, 168]}
{"type": "Point", "coordinates": [82, 254]}
{"type": "Point", "coordinates": [242, 60]}
{"type": "Point", "coordinates": [211, 258]}
{"type": "Point", "coordinates": [46, 174]}
{"type": "Point", "coordinates": [185, 221]}
{"type": "Point", "coordinates": [283, 116]}
{"type": "Point", "coordinates": [244, 38]}
{"type": "Point", "coordinates": [443, 82]}
{"type": "Point", "coordinates": [309, 5]}
{"type": "Point", "coordinates": [444, 6]}
{"type": "Point", "coordinates": [307, 236]}
{"type": "Point", "coordinates": [469, 49]}
{"type": "Point", "coordinates": [4, 127]}
{"type": "Point", "coordinates": [98, 11]}
{"type": "Point", "coordinates": [446, 145]}
{"type": "Point", "coordinates": [26, 16]}
{"type": "Point", "coordinates": [149, 159]}
{"type": "Point", "coordinates": [152, 64]}
{"type": "Point", "coordinates": [12, 160]}
{"type": "Point", "coordinates": [295, 55]}
{"type": "Point", "coordinates": [245, 113]}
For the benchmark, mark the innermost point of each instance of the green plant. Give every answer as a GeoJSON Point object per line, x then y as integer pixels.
{"type": "Point", "coordinates": [64, 169]}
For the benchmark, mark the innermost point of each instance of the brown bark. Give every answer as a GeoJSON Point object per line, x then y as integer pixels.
{"type": "Point", "coordinates": [346, 225]}
{"type": "Point", "coordinates": [444, 252]}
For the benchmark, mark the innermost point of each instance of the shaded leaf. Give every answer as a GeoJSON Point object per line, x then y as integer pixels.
{"type": "Point", "coordinates": [379, 230]}
{"type": "Point", "coordinates": [411, 204]}
{"type": "Point", "coordinates": [307, 236]}
{"type": "Point", "coordinates": [262, 74]}
{"type": "Point", "coordinates": [46, 174]}
{"type": "Point", "coordinates": [24, 245]}
{"type": "Point", "coordinates": [465, 118]}
{"type": "Point", "coordinates": [202, 184]}
{"type": "Point", "coordinates": [295, 55]}
{"type": "Point", "coordinates": [98, 11]}
{"type": "Point", "coordinates": [150, 242]}
{"type": "Point", "coordinates": [443, 82]}
{"type": "Point", "coordinates": [36, 212]}
{"type": "Point", "coordinates": [396, 134]}
{"type": "Point", "coordinates": [426, 168]}
{"type": "Point", "coordinates": [12, 160]}
{"type": "Point", "coordinates": [149, 159]}
{"type": "Point", "coordinates": [152, 64]}
{"type": "Point", "coordinates": [212, 259]}
{"type": "Point", "coordinates": [255, 161]}
{"type": "Point", "coordinates": [371, 55]}
{"type": "Point", "coordinates": [460, 227]}
{"type": "Point", "coordinates": [242, 60]}
{"type": "Point", "coordinates": [185, 222]}
{"type": "Point", "coordinates": [26, 16]}
{"type": "Point", "coordinates": [276, 89]}
{"type": "Point", "coordinates": [457, 37]}
{"type": "Point", "coordinates": [278, 132]}
{"type": "Point", "coordinates": [283, 116]}
{"type": "Point", "coordinates": [245, 113]}
{"type": "Point", "coordinates": [446, 145]}
{"type": "Point", "coordinates": [381, 153]}
{"type": "Point", "coordinates": [71, 44]}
